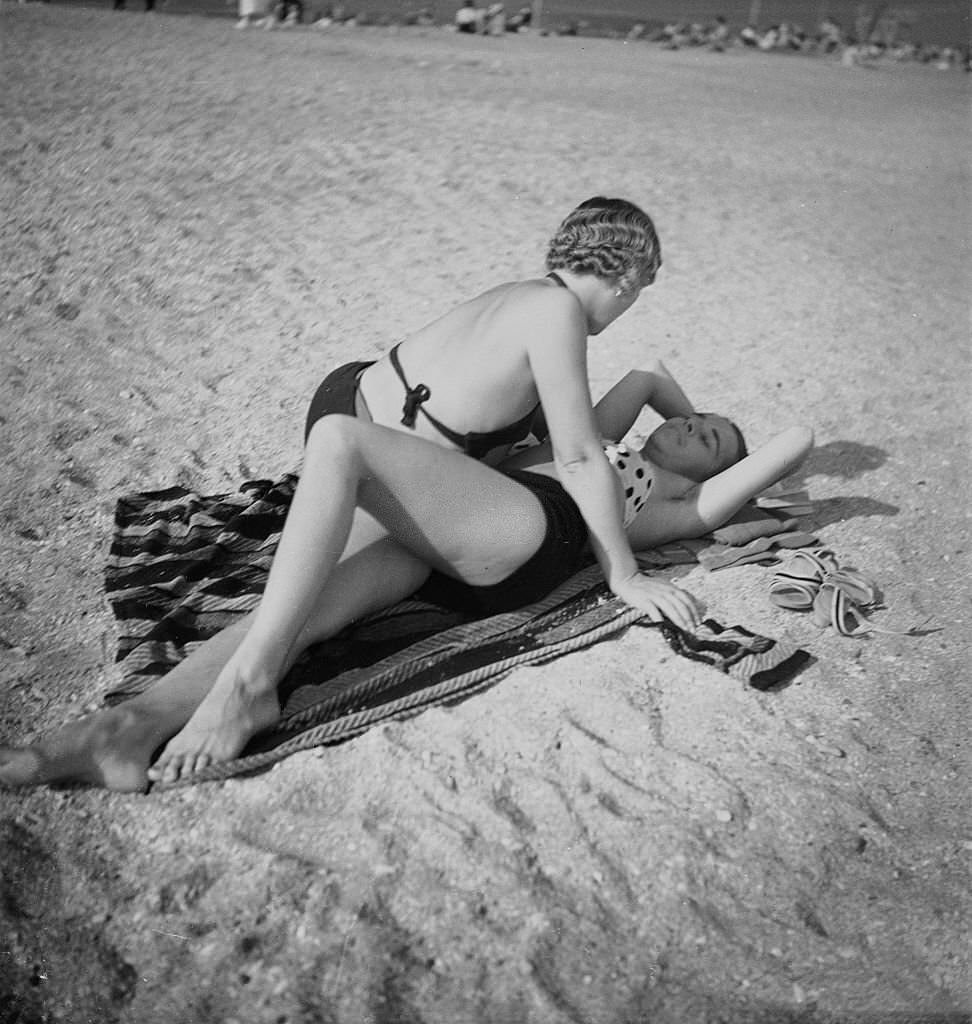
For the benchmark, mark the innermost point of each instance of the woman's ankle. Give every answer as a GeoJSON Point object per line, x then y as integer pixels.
{"type": "Point", "coordinates": [255, 669]}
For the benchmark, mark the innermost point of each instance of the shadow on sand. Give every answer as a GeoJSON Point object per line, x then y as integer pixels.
{"type": "Point", "coordinates": [782, 1014]}
{"type": "Point", "coordinates": [844, 460]}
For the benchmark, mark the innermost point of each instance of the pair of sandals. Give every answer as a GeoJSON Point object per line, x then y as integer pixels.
{"type": "Point", "coordinates": [813, 581]}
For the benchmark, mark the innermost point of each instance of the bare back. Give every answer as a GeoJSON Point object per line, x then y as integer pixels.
{"type": "Point", "coordinates": [474, 362]}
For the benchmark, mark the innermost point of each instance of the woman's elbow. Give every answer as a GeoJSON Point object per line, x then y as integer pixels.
{"type": "Point", "coordinates": [803, 439]}
{"type": "Point", "coordinates": [575, 462]}
{"type": "Point", "coordinates": [797, 443]}
{"type": "Point", "coordinates": [577, 448]}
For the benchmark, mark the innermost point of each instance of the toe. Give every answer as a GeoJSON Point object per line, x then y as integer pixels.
{"type": "Point", "coordinates": [181, 768]}
{"type": "Point", "coordinates": [157, 771]}
{"type": "Point", "coordinates": [167, 768]}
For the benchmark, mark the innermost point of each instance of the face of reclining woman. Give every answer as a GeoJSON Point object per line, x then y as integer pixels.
{"type": "Point", "coordinates": [697, 446]}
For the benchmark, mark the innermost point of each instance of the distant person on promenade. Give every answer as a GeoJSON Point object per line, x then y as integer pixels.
{"type": "Point", "coordinates": [288, 12]}
{"type": "Point", "coordinates": [520, 21]}
{"type": "Point", "coordinates": [719, 35]}
{"type": "Point", "coordinates": [119, 5]}
{"type": "Point", "coordinates": [829, 36]}
{"type": "Point", "coordinates": [673, 35]}
{"type": "Point", "coordinates": [334, 14]}
{"type": "Point", "coordinates": [769, 39]}
{"type": "Point", "coordinates": [469, 18]}
{"type": "Point", "coordinates": [495, 20]}
{"type": "Point", "coordinates": [253, 12]}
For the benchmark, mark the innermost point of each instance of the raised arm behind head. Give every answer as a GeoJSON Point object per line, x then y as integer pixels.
{"type": "Point", "coordinates": [720, 497]}
{"type": "Point", "coordinates": [653, 387]}
{"type": "Point", "coordinates": [702, 506]}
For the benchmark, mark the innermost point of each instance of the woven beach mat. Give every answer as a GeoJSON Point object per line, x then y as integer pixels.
{"type": "Point", "coordinates": [184, 566]}
{"type": "Point", "coordinates": [447, 666]}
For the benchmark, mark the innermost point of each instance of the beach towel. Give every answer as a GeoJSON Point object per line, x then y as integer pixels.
{"type": "Point", "coordinates": [183, 566]}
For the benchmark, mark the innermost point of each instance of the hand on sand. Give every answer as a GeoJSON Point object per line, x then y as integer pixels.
{"type": "Point", "coordinates": [661, 600]}
{"type": "Point", "coordinates": [230, 715]}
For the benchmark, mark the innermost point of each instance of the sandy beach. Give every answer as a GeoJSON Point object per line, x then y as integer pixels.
{"type": "Point", "coordinates": [197, 224]}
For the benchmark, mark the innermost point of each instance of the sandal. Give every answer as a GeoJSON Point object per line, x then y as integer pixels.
{"type": "Point", "coordinates": [838, 602]}
{"type": "Point", "coordinates": [812, 580]}
{"type": "Point", "coordinates": [856, 587]}
{"type": "Point", "coordinates": [797, 584]}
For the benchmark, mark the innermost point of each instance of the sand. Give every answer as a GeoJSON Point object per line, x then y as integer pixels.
{"type": "Point", "coordinates": [197, 224]}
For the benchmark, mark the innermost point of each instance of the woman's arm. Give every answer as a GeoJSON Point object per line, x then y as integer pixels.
{"type": "Point", "coordinates": [707, 505]}
{"type": "Point", "coordinates": [557, 352]}
{"type": "Point", "coordinates": [655, 387]}
{"type": "Point", "coordinates": [616, 413]}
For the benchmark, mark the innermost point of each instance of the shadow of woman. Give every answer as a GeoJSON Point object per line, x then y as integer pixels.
{"type": "Point", "coordinates": [844, 460]}
{"type": "Point", "coordinates": [842, 507]}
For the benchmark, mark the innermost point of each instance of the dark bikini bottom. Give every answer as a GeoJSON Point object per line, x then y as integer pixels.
{"type": "Point", "coordinates": [336, 393]}
{"type": "Point", "coordinates": [562, 553]}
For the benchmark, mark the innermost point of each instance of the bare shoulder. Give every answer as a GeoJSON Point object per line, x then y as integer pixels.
{"type": "Point", "coordinates": [517, 320]}
{"type": "Point", "coordinates": [503, 304]}
{"type": "Point", "coordinates": [540, 292]}
{"type": "Point", "coordinates": [541, 310]}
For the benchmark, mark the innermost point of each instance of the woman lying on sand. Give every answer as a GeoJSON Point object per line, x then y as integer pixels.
{"type": "Point", "coordinates": [455, 531]}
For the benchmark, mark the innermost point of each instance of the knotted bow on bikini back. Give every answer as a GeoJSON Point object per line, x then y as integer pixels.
{"type": "Point", "coordinates": [474, 444]}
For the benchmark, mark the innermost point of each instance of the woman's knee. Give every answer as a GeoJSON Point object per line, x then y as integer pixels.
{"type": "Point", "coordinates": [333, 435]}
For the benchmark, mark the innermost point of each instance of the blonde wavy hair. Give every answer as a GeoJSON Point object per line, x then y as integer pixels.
{"type": "Point", "coordinates": [611, 238]}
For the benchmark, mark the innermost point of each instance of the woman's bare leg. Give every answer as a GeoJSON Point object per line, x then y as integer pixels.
{"type": "Point", "coordinates": [452, 513]}
{"type": "Point", "coordinates": [114, 747]}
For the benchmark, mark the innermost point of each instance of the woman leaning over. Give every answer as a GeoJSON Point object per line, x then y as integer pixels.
{"type": "Point", "coordinates": [476, 378]}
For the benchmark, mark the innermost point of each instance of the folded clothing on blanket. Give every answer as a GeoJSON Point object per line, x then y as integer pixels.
{"type": "Point", "coordinates": [182, 567]}
{"type": "Point", "coordinates": [751, 522]}
{"type": "Point", "coordinates": [762, 549]}
{"type": "Point", "coordinates": [757, 660]}
{"type": "Point", "coordinates": [753, 534]}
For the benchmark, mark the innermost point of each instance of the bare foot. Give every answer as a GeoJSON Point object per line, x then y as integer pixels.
{"type": "Point", "coordinates": [110, 748]}
{"type": "Point", "coordinates": [230, 715]}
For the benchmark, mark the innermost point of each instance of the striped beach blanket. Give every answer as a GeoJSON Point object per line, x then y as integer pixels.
{"type": "Point", "coordinates": [183, 566]}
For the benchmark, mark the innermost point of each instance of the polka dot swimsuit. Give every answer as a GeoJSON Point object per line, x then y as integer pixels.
{"type": "Point", "coordinates": [634, 471]}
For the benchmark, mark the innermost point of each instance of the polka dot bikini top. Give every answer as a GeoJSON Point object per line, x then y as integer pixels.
{"type": "Point", "coordinates": [635, 475]}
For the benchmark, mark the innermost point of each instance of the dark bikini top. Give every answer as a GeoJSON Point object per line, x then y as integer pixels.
{"type": "Point", "coordinates": [473, 444]}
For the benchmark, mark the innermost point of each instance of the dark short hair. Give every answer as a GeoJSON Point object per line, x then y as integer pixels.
{"type": "Point", "coordinates": [737, 433]}
{"type": "Point", "coordinates": [743, 447]}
